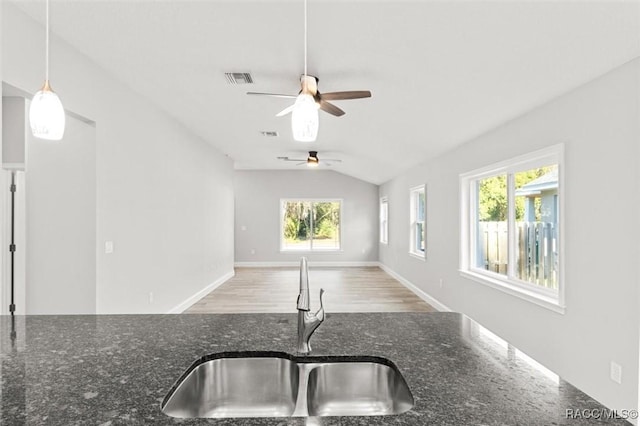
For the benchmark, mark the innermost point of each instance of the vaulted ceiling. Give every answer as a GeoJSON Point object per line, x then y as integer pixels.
{"type": "Point", "coordinates": [441, 72]}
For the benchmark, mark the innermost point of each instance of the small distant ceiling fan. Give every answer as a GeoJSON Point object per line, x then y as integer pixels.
{"type": "Point", "coordinates": [312, 160]}
{"type": "Point", "coordinates": [304, 117]}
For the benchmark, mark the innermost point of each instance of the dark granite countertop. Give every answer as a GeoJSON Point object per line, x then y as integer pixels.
{"type": "Point", "coordinates": [116, 369]}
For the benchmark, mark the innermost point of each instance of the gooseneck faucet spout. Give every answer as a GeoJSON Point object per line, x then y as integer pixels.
{"type": "Point", "coordinates": [307, 321]}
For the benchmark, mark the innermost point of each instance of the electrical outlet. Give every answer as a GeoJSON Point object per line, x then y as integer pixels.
{"type": "Point", "coordinates": [243, 228]}
{"type": "Point", "coordinates": [108, 247]}
{"type": "Point", "coordinates": [616, 372]}
{"type": "Point", "coordinates": [150, 297]}
{"type": "Point", "coordinates": [253, 251]}
{"type": "Point", "coordinates": [441, 282]}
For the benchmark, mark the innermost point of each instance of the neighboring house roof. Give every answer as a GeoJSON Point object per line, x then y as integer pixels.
{"type": "Point", "coordinates": [546, 182]}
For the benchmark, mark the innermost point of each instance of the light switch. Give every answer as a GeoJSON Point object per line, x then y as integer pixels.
{"type": "Point", "coordinates": [616, 372]}
{"type": "Point", "coordinates": [243, 228]}
{"type": "Point", "coordinates": [108, 247]}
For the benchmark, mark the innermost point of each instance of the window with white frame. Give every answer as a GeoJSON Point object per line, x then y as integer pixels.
{"type": "Point", "coordinates": [310, 225]}
{"type": "Point", "coordinates": [511, 220]}
{"type": "Point", "coordinates": [384, 220]}
{"type": "Point", "coordinates": [417, 216]}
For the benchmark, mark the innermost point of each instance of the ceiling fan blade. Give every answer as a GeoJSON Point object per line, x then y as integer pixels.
{"type": "Point", "coordinates": [353, 94]}
{"type": "Point", "coordinates": [331, 108]}
{"type": "Point", "coordinates": [290, 159]}
{"type": "Point", "coordinates": [274, 95]}
{"type": "Point", "coordinates": [300, 164]}
{"type": "Point", "coordinates": [332, 160]}
{"type": "Point", "coordinates": [285, 111]}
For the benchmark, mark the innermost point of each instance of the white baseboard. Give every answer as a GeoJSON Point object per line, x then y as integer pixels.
{"type": "Point", "coordinates": [200, 294]}
{"type": "Point", "coordinates": [419, 292]}
{"type": "Point", "coordinates": [311, 264]}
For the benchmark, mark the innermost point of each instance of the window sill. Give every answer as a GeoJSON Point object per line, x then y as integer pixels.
{"type": "Point", "coordinates": [420, 256]}
{"type": "Point", "coordinates": [504, 286]}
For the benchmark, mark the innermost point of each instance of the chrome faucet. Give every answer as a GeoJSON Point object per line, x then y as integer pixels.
{"type": "Point", "coordinates": [307, 322]}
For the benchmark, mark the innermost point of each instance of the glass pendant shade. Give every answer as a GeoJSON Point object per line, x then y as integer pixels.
{"type": "Point", "coordinates": [304, 119]}
{"type": "Point", "coordinates": [46, 115]}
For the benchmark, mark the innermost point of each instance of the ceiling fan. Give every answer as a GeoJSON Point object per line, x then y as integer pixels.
{"type": "Point", "coordinates": [309, 86]}
{"type": "Point", "coordinates": [304, 111]}
{"type": "Point", "coordinates": [312, 160]}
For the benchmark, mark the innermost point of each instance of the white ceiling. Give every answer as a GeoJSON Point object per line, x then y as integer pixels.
{"type": "Point", "coordinates": [441, 72]}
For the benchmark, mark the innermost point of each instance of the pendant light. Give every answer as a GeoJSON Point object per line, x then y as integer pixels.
{"type": "Point", "coordinates": [304, 117]}
{"type": "Point", "coordinates": [46, 114]}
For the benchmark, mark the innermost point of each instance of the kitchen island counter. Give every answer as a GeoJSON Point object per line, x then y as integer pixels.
{"type": "Point", "coordinates": [117, 369]}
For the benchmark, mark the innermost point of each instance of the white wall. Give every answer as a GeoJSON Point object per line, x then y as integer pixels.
{"type": "Point", "coordinates": [15, 115]}
{"type": "Point", "coordinates": [60, 250]}
{"type": "Point", "coordinates": [598, 123]}
{"type": "Point", "coordinates": [164, 196]}
{"type": "Point", "coordinates": [257, 201]}
{"type": "Point", "coordinates": [3, 274]}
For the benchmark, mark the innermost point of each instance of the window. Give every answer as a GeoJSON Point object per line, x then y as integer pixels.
{"type": "Point", "coordinates": [384, 220]}
{"type": "Point", "coordinates": [310, 225]}
{"type": "Point", "coordinates": [511, 226]}
{"type": "Point", "coordinates": [417, 214]}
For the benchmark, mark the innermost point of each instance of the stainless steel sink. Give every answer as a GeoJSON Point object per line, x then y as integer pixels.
{"type": "Point", "coordinates": [236, 387]}
{"type": "Point", "coordinates": [276, 384]}
{"type": "Point", "coordinates": [357, 389]}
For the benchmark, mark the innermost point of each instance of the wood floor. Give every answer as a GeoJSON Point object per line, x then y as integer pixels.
{"type": "Point", "coordinates": [269, 290]}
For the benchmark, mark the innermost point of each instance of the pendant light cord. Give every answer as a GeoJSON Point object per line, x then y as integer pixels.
{"type": "Point", "coordinates": [305, 43]}
{"type": "Point", "coordinates": [46, 71]}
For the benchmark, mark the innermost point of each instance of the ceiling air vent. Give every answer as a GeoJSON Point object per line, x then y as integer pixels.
{"type": "Point", "coordinates": [269, 134]}
{"type": "Point", "coordinates": [238, 78]}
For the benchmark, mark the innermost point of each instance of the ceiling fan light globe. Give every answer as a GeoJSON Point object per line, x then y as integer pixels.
{"type": "Point", "coordinates": [46, 115]}
{"type": "Point", "coordinates": [304, 119]}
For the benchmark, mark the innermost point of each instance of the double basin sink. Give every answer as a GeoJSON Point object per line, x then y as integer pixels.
{"type": "Point", "coordinates": [276, 384]}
